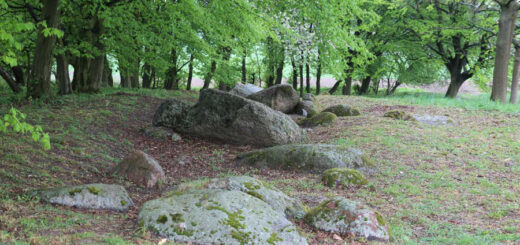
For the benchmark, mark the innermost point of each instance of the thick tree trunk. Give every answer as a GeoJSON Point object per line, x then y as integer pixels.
{"type": "Point", "coordinates": [347, 88]}
{"type": "Point", "coordinates": [18, 75]}
{"type": "Point", "coordinates": [209, 75]}
{"type": "Point", "coordinates": [40, 84]}
{"type": "Point", "coordinates": [171, 75]}
{"type": "Point", "coordinates": [135, 76]}
{"type": "Point", "coordinates": [516, 73]}
{"type": "Point", "coordinates": [335, 87]}
{"type": "Point", "coordinates": [365, 85]}
{"type": "Point", "coordinates": [10, 81]}
{"type": "Point", "coordinates": [506, 26]}
{"type": "Point", "coordinates": [279, 67]}
{"type": "Point", "coordinates": [294, 74]}
{"type": "Point", "coordinates": [244, 68]}
{"type": "Point", "coordinates": [392, 91]}
{"type": "Point", "coordinates": [318, 74]}
{"type": "Point", "coordinates": [308, 78]}
{"type": "Point", "coordinates": [190, 73]}
{"type": "Point", "coordinates": [62, 78]}
{"type": "Point", "coordinates": [454, 87]}
{"type": "Point", "coordinates": [147, 75]}
{"type": "Point", "coordinates": [108, 80]}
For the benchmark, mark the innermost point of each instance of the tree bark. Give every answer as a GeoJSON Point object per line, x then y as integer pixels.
{"type": "Point", "coordinates": [301, 80]}
{"type": "Point", "coordinates": [506, 24]}
{"type": "Point", "coordinates": [209, 75]}
{"type": "Point", "coordinates": [365, 85]}
{"type": "Point", "coordinates": [318, 74]}
{"type": "Point", "coordinates": [308, 78]}
{"type": "Point", "coordinates": [134, 78]}
{"type": "Point", "coordinates": [244, 68]}
{"type": "Point", "coordinates": [190, 73]}
{"type": "Point", "coordinates": [108, 80]}
{"type": "Point", "coordinates": [335, 87]}
{"type": "Point", "coordinates": [516, 72]}
{"type": "Point", "coordinates": [171, 75]}
{"type": "Point", "coordinates": [347, 88]}
{"type": "Point", "coordinates": [10, 81]}
{"type": "Point", "coordinates": [294, 75]}
{"type": "Point", "coordinates": [147, 75]}
{"type": "Point", "coordinates": [40, 84]}
{"type": "Point", "coordinates": [63, 79]}
{"type": "Point", "coordinates": [279, 67]}
{"type": "Point", "coordinates": [18, 75]}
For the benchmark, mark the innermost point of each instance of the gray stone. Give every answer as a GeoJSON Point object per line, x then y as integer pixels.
{"type": "Point", "coordinates": [141, 169]}
{"type": "Point", "coordinates": [343, 111]}
{"type": "Point", "coordinates": [91, 196]}
{"type": "Point", "coordinates": [345, 217]}
{"type": "Point", "coordinates": [310, 108]}
{"type": "Point", "coordinates": [245, 90]}
{"type": "Point", "coordinates": [399, 115]}
{"type": "Point", "coordinates": [320, 119]}
{"type": "Point", "coordinates": [218, 217]}
{"type": "Point", "coordinates": [279, 201]}
{"type": "Point", "coordinates": [171, 113]}
{"type": "Point", "coordinates": [434, 120]}
{"type": "Point", "coordinates": [158, 132]}
{"type": "Point", "coordinates": [314, 158]}
{"type": "Point", "coordinates": [280, 97]}
{"type": "Point", "coordinates": [234, 119]}
{"type": "Point", "coordinates": [309, 97]}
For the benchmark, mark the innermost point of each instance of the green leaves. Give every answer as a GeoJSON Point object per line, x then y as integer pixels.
{"type": "Point", "coordinates": [14, 120]}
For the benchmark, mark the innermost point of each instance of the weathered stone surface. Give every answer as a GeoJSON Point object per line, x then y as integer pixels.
{"type": "Point", "coordinates": [161, 133]}
{"type": "Point", "coordinates": [434, 120]}
{"type": "Point", "coordinates": [307, 108]}
{"type": "Point", "coordinates": [314, 158]}
{"type": "Point", "coordinates": [280, 97]}
{"type": "Point", "coordinates": [234, 119]}
{"type": "Point", "coordinates": [218, 217]}
{"type": "Point", "coordinates": [141, 169]}
{"type": "Point", "coordinates": [399, 115]}
{"type": "Point", "coordinates": [343, 176]}
{"type": "Point", "coordinates": [279, 201]}
{"type": "Point", "coordinates": [323, 118]}
{"type": "Point", "coordinates": [342, 216]}
{"type": "Point", "coordinates": [245, 90]}
{"type": "Point", "coordinates": [309, 97]}
{"type": "Point", "coordinates": [343, 110]}
{"type": "Point", "coordinates": [92, 196]}
{"type": "Point", "coordinates": [171, 113]}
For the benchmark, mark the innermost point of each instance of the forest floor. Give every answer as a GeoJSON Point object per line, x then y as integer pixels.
{"type": "Point", "coordinates": [435, 184]}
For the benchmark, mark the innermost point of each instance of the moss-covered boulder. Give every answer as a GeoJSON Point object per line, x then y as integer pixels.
{"type": "Point", "coordinates": [92, 196]}
{"type": "Point", "coordinates": [161, 133]}
{"type": "Point", "coordinates": [343, 176]}
{"type": "Point", "coordinates": [171, 113]}
{"type": "Point", "coordinates": [343, 111]}
{"type": "Point", "coordinates": [323, 118]}
{"type": "Point", "coordinates": [309, 97]}
{"type": "Point", "coordinates": [307, 108]}
{"type": "Point", "coordinates": [279, 201]}
{"type": "Point", "coordinates": [345, 217]}
{"type": "Point", "coordinates": [314, 158]}
{"type": "Point", "coordinates": [399, 115]}
{"type": "Point", "coordinates": [280, 97]}
{"type": "Point", "coordinates": [218, 217]}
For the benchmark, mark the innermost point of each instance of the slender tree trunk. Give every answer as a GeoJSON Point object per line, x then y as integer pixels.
{"type": "Point", "coordinates": [506, 26]}
{"type": "Point", "coordinates": [301, 80]}
{"type": "Point", "coordinates": [279, 67]}
{"type": "Point", "coordinates": [209, 75]}
{"type": "Point", "coordinates": [171, 76]}
{"type": "Point", "coordinates": [108, 80]}
{"type": "Point", "coordinates": [335, 87]}
{"type": "Point", "coordinates": [244, 68]}
{"type": "Point", "coordinates": [516, 73]}
{"type": "Point", "coordinates": [365, 85]}
{"type": "Point", "coordinates": [308, 78]}
{"type": "Point", "coordinates": [10, 81]}
{"type": "Point", "coordinates": [294, 74]}
{"type": "Point", "coordinates": [18, 75]}
{"type": "Point", "coordinates": [347, 88]}
{"type": "Point", "coordinates": [318, 74]}
{"type": "Point", "coordinates": [190, 73]}
{"type": "Point", "coordinates": [135, 76]}
{"type": "Point", "coordinates": [147, 75]}
{"type": "Point", "coordinates": [63, 79]}
{"type": "Point", "coordinates": [40, 84]}
{"type": "Point", "coordinates": [392, 91]}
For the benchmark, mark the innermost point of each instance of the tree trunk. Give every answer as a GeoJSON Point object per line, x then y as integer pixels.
{"type": "Point", "coordinates": [294, 75]}
{"type": "Point", "coordinates": [108, 80]}
{"type": "Point", "coordinates": [147, 75]}
{"type": "Point", "coordinates": [308, 78]}
{"type": "Point", "coordinates": [209, 75]}
{"type": "Point", "coordinates": [301, 80]}
{"type": "Point", "coordinates": [135, 76]}
{"type": "Point", "coordinates": [18, 75]}
{"type": "Point", "coordinates": [318, 74]}
{"type": "Point", "coordinates": [10, 81]}
{"type": "Point", "coordinates": [365, 85]}
{"type": "Point", "coordinates": [244, 68]}
{"type": "Point", "coordinates": [40, 84]}
{"type": "Point", "coordinates": [347, 88]}
{"type": "Point", "coordinates": [279, 67]}
{"type": "Point", "coordinates": [396, 84]}
{"type": "Point", "coordinates": [506, 26]}
{"type": "Point", "coordinates": [334, 87]}
{"type": "Point", "coordinates": [190, 73]}
{"type": "Point", "coordinates": [63, 79]}
{"type": "Point", "coordinates": [516, 73]}
{"type": "Point", "coordinates": [171, 75]}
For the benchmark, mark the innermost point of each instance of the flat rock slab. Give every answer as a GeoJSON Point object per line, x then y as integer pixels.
{"type": "Point", "coordinates": [279, 201]}
{"type": "Point", "coordinates": [314, 158]}
{"type": "Point", "coordinates": [245, 90]}
{"type": "Point", "coordinates": [435, 120]}
{"type": "Point", "coordinates": [91, 196]}
{"type": "Point", "coordinates": [345, 217]}
{"type": "Point", "coordinates": [218, 217]}
{"type": "Point", "coordinates": [280, 97]}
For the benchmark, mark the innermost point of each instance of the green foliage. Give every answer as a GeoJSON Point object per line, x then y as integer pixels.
{"type": "Point", "coordinates": [14, 121]}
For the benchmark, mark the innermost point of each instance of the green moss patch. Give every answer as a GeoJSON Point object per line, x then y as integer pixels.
{"type": "Point", "coordinates": [343, 176]}
{"type": "Point", "coordinates": [323, 118]}
{"type": "Point", "coordinates": [399, 115]}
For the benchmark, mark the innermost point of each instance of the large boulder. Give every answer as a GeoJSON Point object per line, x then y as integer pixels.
{"type": "Point", "coordinates": [245, 90]}
{"type": "Point", "coordinates": [234, 119]}
{"type": "Point", "coordinates": [314, 158]}
{"type": "Point", "coordinates": [280, 97]}
{"type": "Point", "coordinates": [307, 108]}
{"type": "Point", "coordinates": [171, 113]}
{"type": "Point", "coordinates": [161, 133]}
{"type": "Point", "coordinates": [343, 110]}
{"type": "Point", "coordinates": [91, 196]}
{"type": "Point", "coordinates": [141, 169]}
{"type": "Point", "coordinates": [279, 201]}
{"type": "Point", "coordinates": [218, 217]}
{"type": "Point", "coordinates": [345, 217]}
{"type": "Point", "coordinates": [320, 119]}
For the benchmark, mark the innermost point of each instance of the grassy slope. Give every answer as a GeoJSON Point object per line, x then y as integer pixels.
{"type": "Point", "coordinates": [456, 185]}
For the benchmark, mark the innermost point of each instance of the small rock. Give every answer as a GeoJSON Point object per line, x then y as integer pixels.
{"type": "Point", "coordinates": [434, 120]}
{"type": "Point", "coordinates": [345, 217]}
{"type": "Point", "coordinates": [91, 196]}
{"type": "Point", "coordinates": [176, 137]}
{"type": "Point", "coordinates": [141, 169]}
{"type": "Point", "coordinates": [159, 132]}
{"type": "Point", "coordinates": [323, 118]}
{"type": "Point", "coordinates": [343, 176]}
{"type": "Point", "coordinates": [399, 115]}
{"type": "Point", "coordinates": [343, 111]}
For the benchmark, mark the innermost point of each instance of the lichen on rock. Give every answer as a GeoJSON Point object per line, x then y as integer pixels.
{"type": "Point", "coordinates": [323, 118]}
{"type": "Point", "coordinates": [343, 110]}
{"type": "Point", "coordinates": [399, 115]}
{"type": "Point", "coordinates": [343, 176]}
